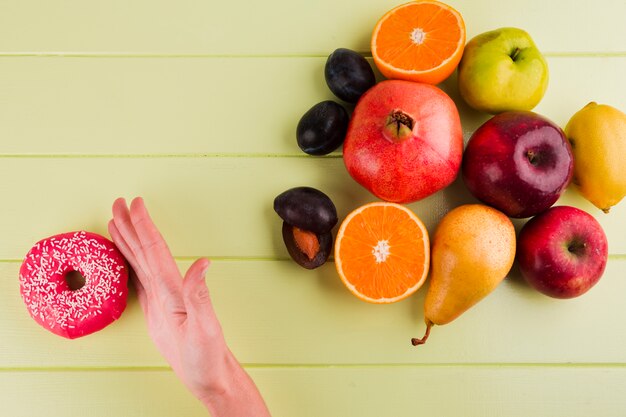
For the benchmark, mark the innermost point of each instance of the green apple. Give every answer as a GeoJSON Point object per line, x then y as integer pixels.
{"type": "Point", "coordinates": [502, 70]}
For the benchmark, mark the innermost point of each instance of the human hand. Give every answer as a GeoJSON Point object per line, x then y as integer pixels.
{"type": "Point", "coordinates": [180, 316]}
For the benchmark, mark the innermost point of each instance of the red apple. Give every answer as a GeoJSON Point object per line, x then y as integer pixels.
{"type": "Point", "coordinates": [562, 252]}
{"type": "Point", "coordinates": [518, 162]}
{"type": "Point", "coordinates": [404, 141]}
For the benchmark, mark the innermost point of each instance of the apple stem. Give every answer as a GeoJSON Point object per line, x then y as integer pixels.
{"type": "Point", "coordinates": [514, 54]}
{"type": "Point", "coordinates": [416, 342]}
{"type": "Point", "coordinates": [577, 247]}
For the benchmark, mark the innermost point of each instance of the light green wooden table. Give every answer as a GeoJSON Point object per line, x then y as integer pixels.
{"type": "Point", "coordinates": [193, 104]}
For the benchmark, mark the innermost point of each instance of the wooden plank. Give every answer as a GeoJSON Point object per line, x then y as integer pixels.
{"type": "Point", "coordinates": [204, 206]}
{"type": "Point", "coordinates": [443, 391]}
{"type": "Point", "coordinates": [278, 313]}
{"type": "Point", "coordinates": [92, 394]}
{"type": "Point", "coordinates": [145, 106]}
{"type": "Point", "coordinates": [171, 78]}
{"type": "Point", "coordinates": [213, 105]}
{"type": "Point", "coordinates": [277, 26]}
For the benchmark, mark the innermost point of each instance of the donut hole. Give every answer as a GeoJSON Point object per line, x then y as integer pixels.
{"type": "Point", "coordinates": [75, 280]}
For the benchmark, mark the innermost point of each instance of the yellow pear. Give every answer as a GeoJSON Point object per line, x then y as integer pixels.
{"type": "Point", "coordinates": [472, 252]}
{"type": "Point", "coordinates": [597, 134]}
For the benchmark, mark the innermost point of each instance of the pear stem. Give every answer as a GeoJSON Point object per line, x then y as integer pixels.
{"type": "Point", "coordinates": [416, 342]}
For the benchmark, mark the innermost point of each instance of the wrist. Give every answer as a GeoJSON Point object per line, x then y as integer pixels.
{"type": "Point", "coordinates": [226, 385]}
{"type": "Point", "coordinates": [235, 394]}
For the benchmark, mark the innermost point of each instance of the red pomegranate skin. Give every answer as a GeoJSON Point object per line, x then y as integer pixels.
{"type": "Point", "coordinates": [403, 168]}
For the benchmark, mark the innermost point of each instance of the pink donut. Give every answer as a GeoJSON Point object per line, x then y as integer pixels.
{"type": "Point", "coordinates": [48, 296]}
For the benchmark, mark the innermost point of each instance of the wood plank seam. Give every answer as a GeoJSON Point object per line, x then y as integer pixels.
{"type": "Point", "coordinates": [484, 365]}
{"type": "Point", "coordinates": [366, 54]}
{"type": "Point", "coordinates": [198, 155]}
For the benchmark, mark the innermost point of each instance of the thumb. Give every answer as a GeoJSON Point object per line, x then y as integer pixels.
{"type": "Point", "coordinates": [195, 291]}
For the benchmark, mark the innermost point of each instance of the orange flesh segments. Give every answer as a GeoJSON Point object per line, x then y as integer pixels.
{"type": "Point", "coordinates": [424, 45]}
{"type": "Point", "coordinates": [419, 41]}
{"type": "Point", "coordinates": [382, 252]}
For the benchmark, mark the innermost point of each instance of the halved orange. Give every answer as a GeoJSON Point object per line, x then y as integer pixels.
{"type": "Point", "coordinates": [382, 252]}
{"type": "Point", "coordinates": [419, 41]}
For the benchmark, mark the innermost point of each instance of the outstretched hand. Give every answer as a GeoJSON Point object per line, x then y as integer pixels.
{"type": "Point", "coordinates": [180, 316]}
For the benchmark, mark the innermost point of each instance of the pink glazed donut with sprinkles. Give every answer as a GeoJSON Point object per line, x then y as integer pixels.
{"type": "Point", "coordinates": [51, 300]}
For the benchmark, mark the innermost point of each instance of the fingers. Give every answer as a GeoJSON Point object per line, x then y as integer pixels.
{"type": "Point", "coordinates": [128, 253]}
{"type": "Point", "coordinates": [141, 293]}
{"type": "Point", "coordinates": [127, 233]}
{"type": "Point", "coordinates": [197, 299]}
{"type": "Point", "coordinates": [154, 248]}
{"type": "Point", "coordinates": [195, 290]}
{"type": "Point", "coordinates": [154, 263]}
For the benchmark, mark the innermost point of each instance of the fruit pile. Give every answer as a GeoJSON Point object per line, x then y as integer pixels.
{"type": "Point", "coordinates": [403, 142]}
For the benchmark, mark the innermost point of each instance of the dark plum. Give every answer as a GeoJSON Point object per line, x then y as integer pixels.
{"type": "Point", "coordinates": [322, 128]}
{"type": "Point", "coordinates": [308, 249]}
{"type": "Point", "coordinates": [348, 75]}
{"type": "Point", "coordinates": [306, 208]}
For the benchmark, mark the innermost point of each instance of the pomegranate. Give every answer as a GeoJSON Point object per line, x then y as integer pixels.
{"type": "Point", "coordinates": [404, 141]}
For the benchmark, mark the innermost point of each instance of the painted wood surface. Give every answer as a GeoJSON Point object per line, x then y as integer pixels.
{"type": "Point", "coordinates": [472, 391]}
{"type": "Point", "coordinates": [215, 106]}
{"type": "Point", "coordinates": [273, 313]}
{"type": "Point", "coordinates": [278, 27]}
{"type": "Point", "coordinates": [227, 201]}
{"type": "Point", "coordinates": [193, 104]}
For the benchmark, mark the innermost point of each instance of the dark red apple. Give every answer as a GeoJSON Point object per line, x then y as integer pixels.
{"type": "Point", "coordinates": [518, 162]}
{"type": "Point", "coordinates": [404, 141]}
{"type": "Point", "coordinates": [562, 252]}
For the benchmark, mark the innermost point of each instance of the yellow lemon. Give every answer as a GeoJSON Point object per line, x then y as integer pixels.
{"type": "Point", "coordinates": [597, 134]}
